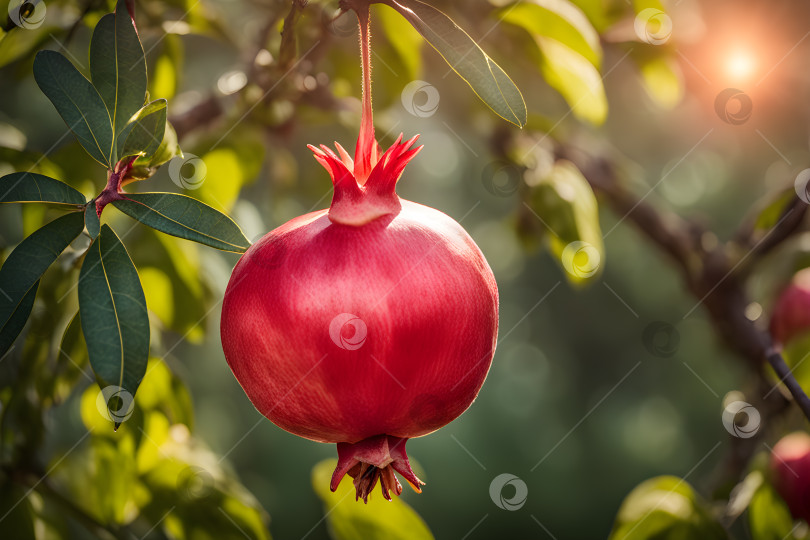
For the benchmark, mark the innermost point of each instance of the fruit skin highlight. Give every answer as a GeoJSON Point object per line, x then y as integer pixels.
{"type": "Point", "coordinates": [790, 465]}
{"type": "Point", "coordinates": [366, 324]}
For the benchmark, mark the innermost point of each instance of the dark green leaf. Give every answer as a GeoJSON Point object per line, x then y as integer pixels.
{"type": "Point", "coordinates": [12, 328]}
{"type": "Point", "coordinates": [184, 217]}
{"type": "Point", "coordinates": [33, 187]}
{"type": "Point", "coordinates": [31, 258]}
{"type": "Point", "coordinates": [377, 520]}
{"type": "Point", "coordinates": [113, 313]}
{"type": "Point", "coordinates": [466, 58]}
{"type": "Point", "coordinates": [118, 66]}
{"type": "Point", "coordinates": [91, 220]}
{"type": "Point", "coordinates": [143, 135]}
{"type": "Point", "coordinates": [78, 103]}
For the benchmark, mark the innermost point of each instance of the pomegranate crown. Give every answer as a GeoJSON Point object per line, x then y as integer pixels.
{"type": "Point", "coordinates": [365, 187]}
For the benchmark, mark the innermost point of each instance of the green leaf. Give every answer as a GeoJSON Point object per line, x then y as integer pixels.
{"type": "Point", "coordinates": [662, 80]}
{"type": "Point", "coordinates": [33, 187]}
{"type": "Point", "coordinates": [768, 516]}
{"type": "Point", "coordinates": [404, 39]}
{"type": "Point", "coordinates": [144, 134]}
{"type": "Point", "coordinates": [567, 205]}
{"type": "Point", "coordinates": [91, 220]}
{"type": "Point", "coordinates": [12, 328]}
{"type": "Point", "coordinates": [775, 210]}
{"type": "Point", "coordinates": [118, 67]}
{"type": "Point", "coordinates": [573, 76]}
{"type": "Point", "coordinates": [377, 520]}
{"type": "Point", "coordinates": [30, 259]}
{"type": "Point", "coordinates": [184, 217]}
{"type": "Point", "coordinates": [665, 508]}
{"type": "Point", "coordinates": [559, 20]}
{"type": "Point", "coordinates": [484, 76]}
{"type": "Point", "coordinates": [113, 313]}
{"type": "Point", "coordinates": [77, 102]}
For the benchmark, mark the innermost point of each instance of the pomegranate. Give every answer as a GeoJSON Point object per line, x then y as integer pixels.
{"type": "Point", "coordinates": [790, 464]}
{"type": "Point", "coordinates": [366, 324]}
{"type": "Point", "coordinates": [791, 314]}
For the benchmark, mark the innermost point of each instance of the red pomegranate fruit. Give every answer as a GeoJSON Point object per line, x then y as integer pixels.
{"type": "Point", "coordinates": [790, 464]}
{"type": "Point", "coordinates": [366, 324]}
{"type": "Point", "coordinates": [791, 314]}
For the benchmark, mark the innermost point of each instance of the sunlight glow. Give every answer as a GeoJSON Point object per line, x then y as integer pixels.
{"type": "Point", "coordinates": [740, 65]}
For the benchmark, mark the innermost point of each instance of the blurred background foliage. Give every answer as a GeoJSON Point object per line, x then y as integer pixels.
{"type": "Point", "coordinates": [579, 404]}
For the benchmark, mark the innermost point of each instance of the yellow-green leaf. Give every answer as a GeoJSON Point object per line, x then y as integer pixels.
{"type": "Point", "coordinates": [378, 520]}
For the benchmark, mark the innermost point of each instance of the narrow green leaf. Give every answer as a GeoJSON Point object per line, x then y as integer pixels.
{"type": "Point", "coordinates": [31, 258]}
{"type": "Point", "coordinates": [377, 520]}
{"type": "Point", "coordinates": [557, 19]}
{"type": "Point", "coordinates": [466, 58]}
{"type": "Point", "coordinates": [33, 187]}
{"type": "Point", "coordinates": [573, 76]}
{"type": "Point", "coordinates": [91, 220]}
{"type": "Point", "coordinates": [144, 134]}
{"type": "Point", "coordinates": [113, 313]}
{"type": "Point", "coordinates": [77, 102]}
{"type": "Point", "coordinates": [12, 328]}
{"type": "Point", "coordinates": [118, 66]}
{"type": "Point", "coordinates": [185, 217]}
{"type": "Point", "coordinates": [662, 79]}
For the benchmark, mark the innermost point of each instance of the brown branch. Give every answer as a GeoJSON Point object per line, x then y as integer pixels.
{"type": "Point", "coordinates": [707, 270]}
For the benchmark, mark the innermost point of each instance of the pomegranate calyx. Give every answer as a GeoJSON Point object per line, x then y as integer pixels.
{"type": "Point", "coordinates": [373, 459]}
{"type": "Point", "coordinates": [359, 200]}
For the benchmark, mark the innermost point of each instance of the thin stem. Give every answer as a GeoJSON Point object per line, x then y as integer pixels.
{"type": "Point", "coordinates": [786, 377]}
{"type": "Point", "coordinates": [365, 156]}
